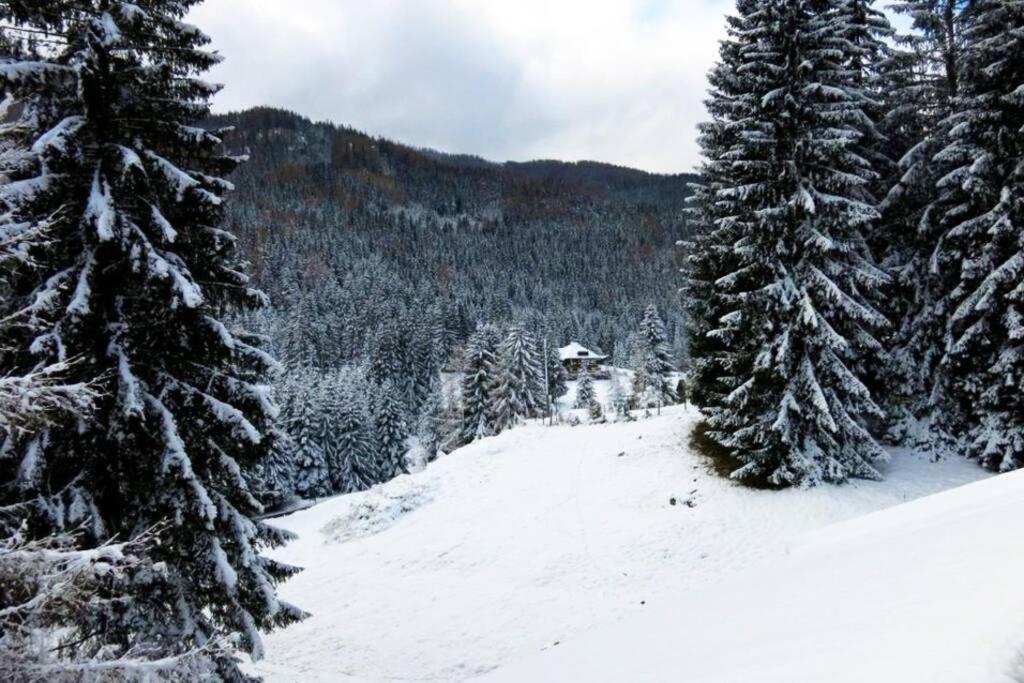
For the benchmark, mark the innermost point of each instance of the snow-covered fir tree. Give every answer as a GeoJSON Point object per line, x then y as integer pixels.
{"type": "Point", "coordinates": [921, 82]}
{"type": "Point", "coordinates": [714, 322]}
{"type": "Point", "coordinates": [558, 376]}
{"type": "Point", "coordinates": [478, 383]}
{"type": "Point", "coordinates": [391, 431]}
{"type": "Point", "coordinates": [387, 357]}
{"type": "Point", "coordinates": [787, 119]}
{"type": "Point", "coordinates": [56, 598]}
{"type": "Point", "coordinates": [519, 389]}
{"type": "Point", "coordinates": [656, 366]}
{"type": "Point", "coordinates": [339, 467]}
{"type": "Point", "coordinates": [305, 427]}
{"type": "Point", "coordinates": [426, 349]}
{"type": "Point", "coordinates": [102, 151]}
{"type": "Point", "coordinates": [431, 423]}
{"type": "Point", "coordinates": [355, 444]}
{"type": "Point", "coordinates": [586, 396]}
{"type": "Point", "coordinates": [618, 397]}
{"type": "Point", "coordinates": [278, 473]}
{"type": "Point", "coordinates": [977, 270]}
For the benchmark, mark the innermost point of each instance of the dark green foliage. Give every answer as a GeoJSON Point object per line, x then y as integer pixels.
{"type": "Point", "coordinates": [978, 261]}
{"type": "Point", "coordinates": [478, 383]}
{"type": "Point", "coordinates": [518, 391]}
{"type": "Point", "coordinates": [391, 432]}
{"type": "Point", "coordinates": [653, 376]}
{"type": "Point", "coordinates": [104, 150]}
{"type": "Point", "coordinates": [558, 376]}
{"type": "Point", "coordinates": [782, 320]}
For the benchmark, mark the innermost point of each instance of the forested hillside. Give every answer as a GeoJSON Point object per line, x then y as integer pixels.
{"type": "Point", "coordinates": [382, 261]}
{"type": "Point", "coordinates": [348, 232]}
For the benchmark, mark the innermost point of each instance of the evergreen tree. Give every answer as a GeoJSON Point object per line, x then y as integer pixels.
{"type": "Point", "coordinates": [391, 432]}
{"type": "Point", "coordinates": [978, 263]}
{"type": "Point", "coordinates": [426, 349]}
{"type": "Point", "coordinates": [450, 425]}
{"type": "Point", "coordinates": [558, 376]}
{"type": "Point", "coordinates": [586, 397]}
{"type": "Point", "coordinates": [715, 321]}
{"type": "Point", "coordinates": [430, 426]}
{"type": "Point", "coordinates": [338, 462]}
{"type": "Point", "coordinates": [387, 357]}
{"type": "Point", "coordinates": [278, 473]}
{"type": "Point", "coordinates": [103, 153]}
{"type": "Point", "coordinates": [656, 357]}
{"type": "Point", "coordinates": [355, 446]}
{"type": "Point", "coordinates": [617, 395]}
{"type": "Point", "coordinates": [54, 601]}
{"type": "Point", "coordinates": [791, 198]}
{"type": "Point", "coordinates": [518, 390]}
{"type": "Point", "coordinates": [478, 383]}
{"type": "Point", "coordinates": [312, 476]}
{"type": "Point", "coordinates": [922, 82]}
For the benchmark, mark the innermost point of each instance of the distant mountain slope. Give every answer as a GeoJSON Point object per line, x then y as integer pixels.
{"type": "Point", "coordinates": [353, 230]}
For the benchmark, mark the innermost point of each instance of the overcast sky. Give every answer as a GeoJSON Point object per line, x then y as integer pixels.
{"type": "Point", "coordinates": [620, 81]}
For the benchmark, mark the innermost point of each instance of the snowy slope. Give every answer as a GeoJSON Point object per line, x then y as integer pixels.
{"type": "Point", "coordinates": [535, 537]}
{"type": "Point", "coordinates": [929, 591]}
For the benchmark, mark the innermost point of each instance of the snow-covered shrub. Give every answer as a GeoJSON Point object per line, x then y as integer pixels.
{"type": "Point", "coordinates": [585, 393]}
{"type": "Point", "coordinates": [377, 509]}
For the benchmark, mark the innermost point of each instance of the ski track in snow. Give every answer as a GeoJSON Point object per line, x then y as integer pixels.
{"type": "Point", "coordinates": [522, 542]}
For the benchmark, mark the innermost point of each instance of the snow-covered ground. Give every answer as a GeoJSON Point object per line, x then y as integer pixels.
{"type": "Point", "coordinates": [925, 592]}
{"type": "Point", "coordinates": [519, 545]}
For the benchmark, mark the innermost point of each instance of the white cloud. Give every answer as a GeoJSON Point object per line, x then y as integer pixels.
{"type": "Point", "coordinates": [612, 80]}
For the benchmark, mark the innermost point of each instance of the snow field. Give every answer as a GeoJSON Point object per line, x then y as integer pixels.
{"type": "Point", "coordinates": [526, 541]}
{"type": "Point", "coordinates": [924, 592]}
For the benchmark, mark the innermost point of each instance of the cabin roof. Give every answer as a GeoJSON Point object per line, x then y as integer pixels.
{"type": "Point", "coordinates": [575, 351]}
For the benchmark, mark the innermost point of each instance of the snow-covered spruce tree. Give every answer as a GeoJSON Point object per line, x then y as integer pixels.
{"type": "Point", "coordinates": [558, 376]}
{"type": "Point", "coordinates": [618, 396]}
{"type": "Point", "coordinates": [426, 347]}
{"type": "Point", "coordinates": [656, 356]}
{"type": "Point", "coordinates": [792, 198]}
{"type": "Point", "coordinates": [54, 601]}
{"type": "Point", "coordinates": [278, 472]}
{"type": "Point", "coordinates": [586, 396]}
{"type": "Point", "coordinates": [339, 472]}
{"type": "Point", "coordinates": [430, 425]}
{"type": "Point", "coordinates": [519, 387]}
{"type": "Point", "coordinates": [450, 424]}
{"type": "Point", "coordinates": [716, 325]}
{"type": "Point", "coordinates": [391, 431]}
{"type": "Point", "coordinates": [387, 355]}
{"type": "Point", "coordinates": [920, 81]}
{"type": "Point", "coordinates": [868, 36]}
{"type": "Point", "coordinates": [103, 150]}
{"type": "Point", "coordinates": [478, 383]}
{"type": "Point", "coordinates": [305, 422]}
{"type": "Point", "coordinates": [353, 446]}
{"type": "Point", "coordinates": [978, 267]}
{"type": "Point", "coordinates": [874, 70]}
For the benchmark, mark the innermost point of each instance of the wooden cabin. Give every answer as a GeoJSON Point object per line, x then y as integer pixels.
{"type": "Point", "coordinates": [576, 356]}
